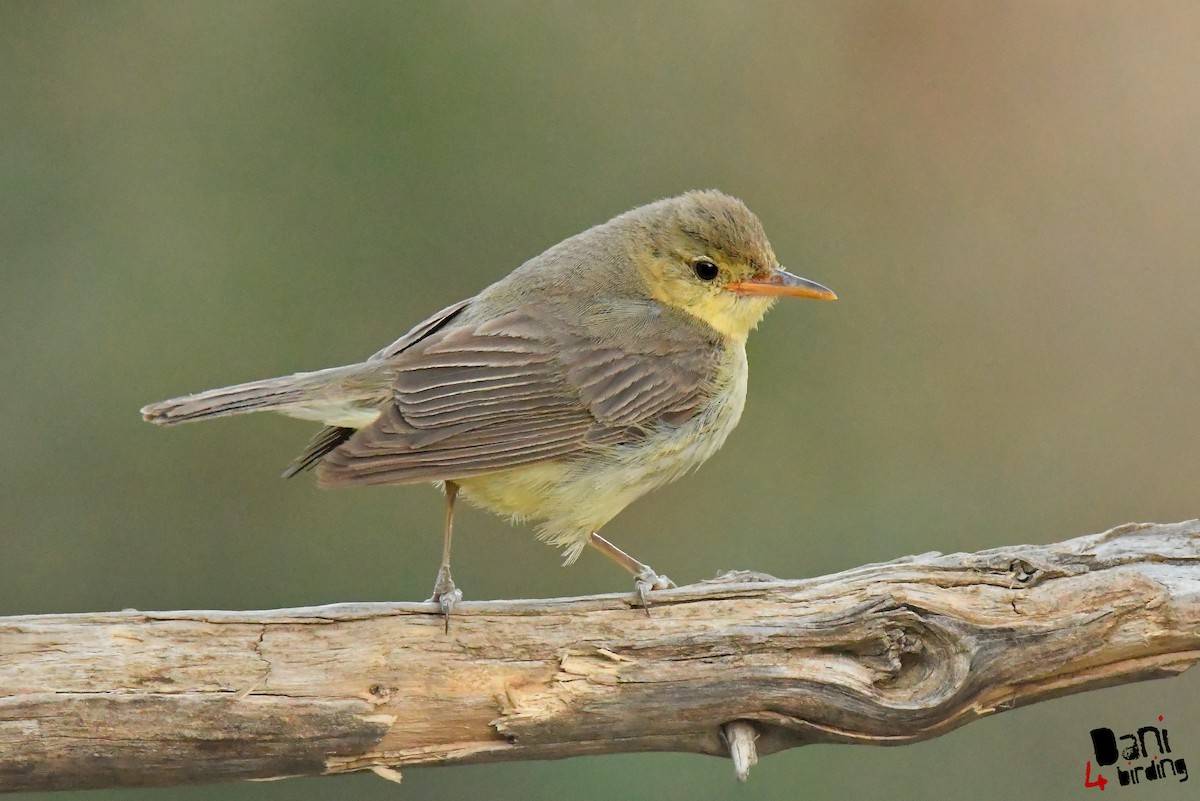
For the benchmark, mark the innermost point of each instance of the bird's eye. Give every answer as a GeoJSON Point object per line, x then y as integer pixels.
{"type": "Point", "coordinates": [705, 270]}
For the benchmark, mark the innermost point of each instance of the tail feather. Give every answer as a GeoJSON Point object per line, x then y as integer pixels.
{"type": "Point", "coordinates": [335, 384]}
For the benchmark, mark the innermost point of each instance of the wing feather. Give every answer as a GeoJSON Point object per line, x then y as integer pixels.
{"type": "Point", "coordinates": [474, 398]}
{"type": "Point", "coordinates": [423, 330]}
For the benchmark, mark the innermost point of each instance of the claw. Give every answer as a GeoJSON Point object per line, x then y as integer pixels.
{"type": "Point", "coordinates": [646, 581]}
{"type": "Point", "coordinates": [445, 595]}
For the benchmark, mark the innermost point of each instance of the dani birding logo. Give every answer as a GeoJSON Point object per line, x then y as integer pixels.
{"type": "Point", "coordinates": [1146, 753]}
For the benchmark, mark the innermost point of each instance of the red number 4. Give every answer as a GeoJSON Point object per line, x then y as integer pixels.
{"type": "Point", "coordinates": [1087, 778]}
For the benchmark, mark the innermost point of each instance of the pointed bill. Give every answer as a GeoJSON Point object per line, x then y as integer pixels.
{"type": "Point", "coordinates": [782, 283]}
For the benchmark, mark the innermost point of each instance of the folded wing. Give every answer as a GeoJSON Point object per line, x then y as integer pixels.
{"type": "Point", "coordinates": [474, 399]}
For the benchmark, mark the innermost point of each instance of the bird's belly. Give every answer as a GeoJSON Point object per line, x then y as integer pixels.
{"type": "Point", "coordinates": [519, 492]}
{"type": "Point", "coordinates": [577, 495]}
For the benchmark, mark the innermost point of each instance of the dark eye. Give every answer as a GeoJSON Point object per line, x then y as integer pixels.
{"type": "Point", "coordinates": [705, 269]}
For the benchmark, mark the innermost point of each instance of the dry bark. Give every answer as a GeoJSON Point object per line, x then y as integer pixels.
{"type": "Point", "coordinates": [881, 654]}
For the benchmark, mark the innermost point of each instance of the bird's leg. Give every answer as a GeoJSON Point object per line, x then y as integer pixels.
{"type": "Point", "coordinates": [645, 579]}
{"type": "Point", "coordinates": [445, 594]}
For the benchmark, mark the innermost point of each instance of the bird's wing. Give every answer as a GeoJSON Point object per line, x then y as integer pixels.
{"type": "Point", "coordinates": [422, 330]}
{"type": "Point", "coordinates": [330, 437]}
{"type": "Point", "coordinates": [514, 391]}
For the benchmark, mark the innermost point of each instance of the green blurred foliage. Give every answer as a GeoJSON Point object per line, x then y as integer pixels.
{"type": "Point", "coordinates": [1005, 197]}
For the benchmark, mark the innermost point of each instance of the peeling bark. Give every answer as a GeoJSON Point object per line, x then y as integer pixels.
{"type": "Point", "coordinates": [882, 654]}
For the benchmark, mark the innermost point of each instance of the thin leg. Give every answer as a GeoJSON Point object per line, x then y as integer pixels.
{"type": "Point", "coordinates": [445, 594]}
{"type": "Point", "coordinates": [448, 530]}
{"type": "Point", "coordinates": [645, 577]}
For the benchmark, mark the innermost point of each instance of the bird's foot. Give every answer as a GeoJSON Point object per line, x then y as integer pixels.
{"type": "Point", "coordinates": [445, 595]}
{"type": "Point", "coordinates": [647, 580]}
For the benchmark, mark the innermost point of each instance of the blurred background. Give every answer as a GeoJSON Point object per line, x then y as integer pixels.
{"type": "Point", "coordinates": [1004, 196]}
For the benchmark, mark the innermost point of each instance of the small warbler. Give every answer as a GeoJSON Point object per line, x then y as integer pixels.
{"type": "Point", "coordinates": [609, 365]}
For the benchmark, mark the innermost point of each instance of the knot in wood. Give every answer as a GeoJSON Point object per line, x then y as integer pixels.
{"type": "Point", "coordinates": [911, 655]}
{"type": "Point", "coordinates": [1023, 571]}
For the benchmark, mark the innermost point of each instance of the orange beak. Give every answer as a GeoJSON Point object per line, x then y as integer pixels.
{"type": "Point", "coordinates": [781, 282]}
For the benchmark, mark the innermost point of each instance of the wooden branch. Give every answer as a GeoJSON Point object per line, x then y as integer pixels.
{"type": "Point", "coordinates": [882, 654]}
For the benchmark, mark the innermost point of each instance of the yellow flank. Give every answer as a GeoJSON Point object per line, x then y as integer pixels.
{"type": "Point", "coordinates": [518, 492]}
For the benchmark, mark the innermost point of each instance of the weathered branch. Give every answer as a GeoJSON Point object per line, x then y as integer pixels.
{"type": "Point", "coordinates": [882, 654]}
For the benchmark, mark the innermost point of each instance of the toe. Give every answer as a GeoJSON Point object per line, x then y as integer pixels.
{"type": "Point", "coordinates": [663, 583]}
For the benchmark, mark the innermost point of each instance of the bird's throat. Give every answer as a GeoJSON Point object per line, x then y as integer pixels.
{"type": "Point", "coordinates": [732, 315]}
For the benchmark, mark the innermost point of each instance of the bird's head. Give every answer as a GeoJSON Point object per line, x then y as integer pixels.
{"type": "Point", "coordinates": [708, 256]}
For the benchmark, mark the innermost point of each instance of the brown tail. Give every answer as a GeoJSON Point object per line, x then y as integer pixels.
{"type": "Point", "coordinates": [335, 383]}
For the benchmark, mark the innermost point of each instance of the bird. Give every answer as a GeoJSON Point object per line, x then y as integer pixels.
{"type": "Point", "coordinates": [607, 366]}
